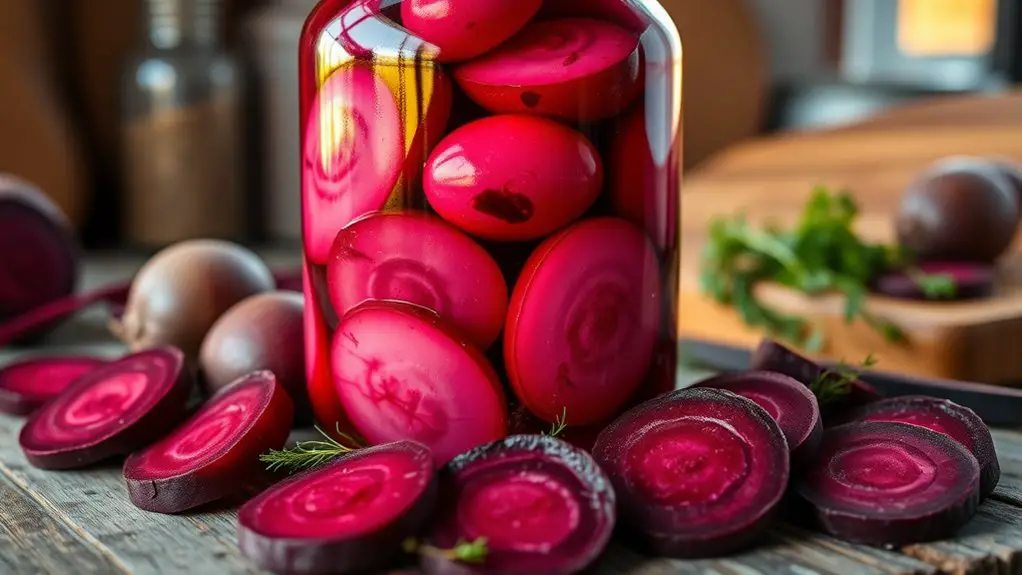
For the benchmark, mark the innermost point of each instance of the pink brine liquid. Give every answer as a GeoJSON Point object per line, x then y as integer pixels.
{"type": "Point", "coordinates": [489, 199]}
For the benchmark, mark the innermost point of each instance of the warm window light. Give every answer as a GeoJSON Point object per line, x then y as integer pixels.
{"type": "Point", "coordinates": [946, 27]}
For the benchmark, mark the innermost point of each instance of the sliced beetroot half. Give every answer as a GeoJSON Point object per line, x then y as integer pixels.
{"type": "Point", "coordinates": [27, 384]}
{"type": "Point", "coordinates": [972, 280]}
{"type": "Point", "coordinates": [790, 403]}
{"type": "Point", "coordinates": [956, 421]}
{"type": "Point", "coordinates": [698, 472]}
{"type": "Point", "coordinates": [418, 258]}
{"type": "Point", "coordinates": [352, 155]}
{"type": "Point", "coordinates": [615, 11]}
{"type": "Point", "coordinates": [583, 321]}
{"type": "Point", "coordinates": [349, 515]}
{"type": "Point", "coordinates": [773, 356]}
{"type": "Point", "coordinates": [890, 483]}
{"type": "Point", "coordinates": [575, 69]}
{"type": "Point", "coordinates": [402, 373]}
{"type": "Point", "coordinates": [113, 410]}
{"type": "Point", "coordinates": [542, 506]}
{"type": "Point", "coordinates": [215, 451]}
{"type": "Point", "coordinates": [464, 29]}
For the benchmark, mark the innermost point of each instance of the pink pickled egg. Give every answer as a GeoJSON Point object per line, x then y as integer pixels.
{"type": "Point", "coordinates": [464, 29]}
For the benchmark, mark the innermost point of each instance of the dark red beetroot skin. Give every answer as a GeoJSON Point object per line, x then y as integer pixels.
{"type": "Point", "coordinates": [773, 356]}
{"type": "Point", "coordinates": [542, 505]}
{"type": "Point", "coordinates": [890, 483]}
{"type": "Point", "coordinates": [215, 451]}
{"type": "Point", "coordinates": [574, 69]}
{"type": "Point", "coordinates": [27, 384]}
{"type": "Point", "coordinates": [349, 515]}
{"type": "Point", "coordinates": [402, 373]}
{"type": "Point", "coordinates": [788, 402]}
{"type": "Point", "coordinates": [113, 410]}
{"type": "Point", "coordinates": [956, 421]}
{"type": "Point", "coordinates": [971, 280]}
{"type": "Point", "coordinates": [698, 472]}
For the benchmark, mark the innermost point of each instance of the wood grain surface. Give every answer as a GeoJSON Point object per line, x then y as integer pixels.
{"type": "Point", "coordinates": [770, 180]}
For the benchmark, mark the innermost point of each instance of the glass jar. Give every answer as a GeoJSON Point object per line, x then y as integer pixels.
{"type": "Point", "coordinates": [489, 212]}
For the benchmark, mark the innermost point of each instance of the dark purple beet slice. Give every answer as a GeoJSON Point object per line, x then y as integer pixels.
{"type": "Point", "coordinates": [44, 316]}
{"type": "Point", "coordinates": [542, 505]}
{"type": "Point", "coordinates": [27, 384]}
{"type": "Point", "coordinates": [972, 280]}
{"type": "Point", "coordinates": [890, 483]}
{"type": "Point", "coordinates": [209, 455]}
{"type": "Point", "coordinates": [349, 515]}
{"type": "Point", "coordinates": [956, 421]}
{"type": "Point", "coordinates": [773, 356]}
{"type": "Point", "coordinates": [113, 410]}
{"type": "Point", "coordinates": [790, 403]}
{"type": "Point", "coordinates": [698, 472]}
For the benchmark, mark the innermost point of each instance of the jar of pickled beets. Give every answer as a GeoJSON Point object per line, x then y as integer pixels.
{"type": "Point", "coordinates": [490, 205]}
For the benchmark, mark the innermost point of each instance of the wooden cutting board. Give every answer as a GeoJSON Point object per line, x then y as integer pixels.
{"type": "Point", "coordinates": [770, 179]}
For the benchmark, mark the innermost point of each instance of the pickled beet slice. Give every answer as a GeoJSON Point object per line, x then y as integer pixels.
{"type": "Point", "coordinates": [464, 29]}
{"type": "Point", "coordinates": [348, 515]}
{"type": "Point", "coordinates": [402, 373]}
{"type": "Point", "coordinates": [890, 483]}
{"type": "Point", "coordinates": [773, 356]}
{"type": "Point", "coordinates": [615, 11]}
{"type": "Point", "coordinates": [113, 410]}
{"type": "Point", "coordinates": [319, 382]}
{"type": "Point", "coordinates": [956, 421]}
{"type": "Point", "coordinates": [27, 384]}
{"type": "Point", "coordinates": [698, 472]}
{"type": "Point", "coordinates": [418, 258]}
{"type": "Point", "coordinates": [790, 403]}
{"type": "Point", "coordinates": [352, 155]}
{"type": "Point", "coordinates": [210, 455]}
{"type": "Point", "coordinates": [575, 69]}
{"type": "Point", "coordinates": [542, 505]}
{"type": "Point", "coordinates": [513, 178]}
{"type": "Point", "coordinates": [971, 281]}
{"type": "Point", "coordinates": [583, 321]}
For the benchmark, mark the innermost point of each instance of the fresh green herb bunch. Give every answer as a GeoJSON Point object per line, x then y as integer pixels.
{"type": "Point", "coordinates": [835, 383]}
{"type": "Point", "coordinates": [822, 254]}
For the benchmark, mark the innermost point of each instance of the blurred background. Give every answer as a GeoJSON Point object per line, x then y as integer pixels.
{"type": "Point", "coordinates": [152, 121]}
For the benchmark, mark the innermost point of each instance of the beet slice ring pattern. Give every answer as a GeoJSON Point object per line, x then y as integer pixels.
{"type": "Point", "coordinates": [210, 455]}
{"type": "Point", "coordinates": [112, 410]}
{"type": "Point", "coordinates": [542, 505]}
{"type": "Point", "coordinates": [575, 69]}
{"type": "Point", "coordinates": [583, 322]}
{"type": "Point", "coordinates": [698, 472]}
{"type": "Point", "coordinates": [27, 384]}
{"type": "Point", "coordinates": [956, 421]}
{"type": "Point", "coordinates": [348, 515]}
{"type": "Point", "coordinates": [402, 373]}
{"type": "Point", "coordinates": [792, 405]}
{"type": "Point", "coordinates": [890, 483]}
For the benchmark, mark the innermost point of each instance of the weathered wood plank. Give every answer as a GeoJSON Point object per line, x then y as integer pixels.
{"type": "Point", "coordinates": [991, 543]}
{"type": "Point", "coordinates": [32, 541]}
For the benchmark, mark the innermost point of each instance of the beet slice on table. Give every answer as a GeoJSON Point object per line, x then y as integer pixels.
{"type": "Point", "coordinates": [698, 472]}
{"type": "Point", "coordinates": [216, 451]}
{"type": "Point", "coordinates": [790, 403]}
{"type": "Point", "coordinates": [956, 421]}
{"type": "Point", "coordinates": [890, 483]}
{"type": "Point", "coordinates": [350, 515]}
{"type": "Point", "coordinates": [972, 280]}
{"type": "Point", "coordinates": [402, 373]}
{"type": "Point", "coordinates": [583, 321]}
{"type": "Point", "coordinates": [27, 384]}
{"type": "Point", "coordinates": [113, 410]}
{"type": "Point", "coordinates": [542, 506]}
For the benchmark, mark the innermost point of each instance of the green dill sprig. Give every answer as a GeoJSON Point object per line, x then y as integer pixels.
{"type": "Point", "coordinates": [834, 383]}
{"type": "Point", "coordinates": [463, 551]}
{"type": "Point", "coordinates": [306, 454]}
{"type": "Point", "coordinates": [559, 424]}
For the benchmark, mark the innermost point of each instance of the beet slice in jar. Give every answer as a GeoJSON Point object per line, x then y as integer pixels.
{"type": "Point", "coordinates": [583, 321]}
{"type": "Point", "coordinates": [464, 29]}
{"type": "Point", "coordinates": [352, 156]}
{"type": "Point", "coordinates": [513, 177]}
{"type": "Point", "coordinates": [27, 384]}
{"type": "Point", "coordinates": [420, 259]}
{"type": "Point", "coordinates": [574, 69]}
{"type": "Point", "coordinates": [402, 373]}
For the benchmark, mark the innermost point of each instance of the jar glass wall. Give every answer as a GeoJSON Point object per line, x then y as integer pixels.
{"type": "Point", "coordinates": [490, 208]}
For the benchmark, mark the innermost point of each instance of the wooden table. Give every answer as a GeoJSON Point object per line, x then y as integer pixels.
{"type": "Point", "coordinates": [80, 522]}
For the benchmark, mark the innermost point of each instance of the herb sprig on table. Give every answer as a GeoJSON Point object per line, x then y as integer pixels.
{"type": "Point", "coordinates": [821, 254]}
